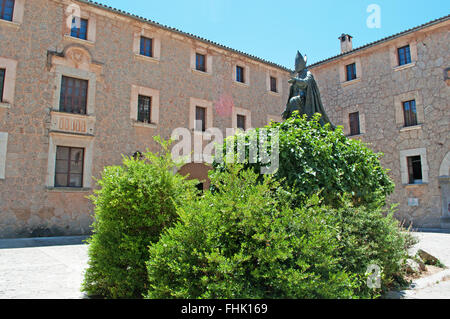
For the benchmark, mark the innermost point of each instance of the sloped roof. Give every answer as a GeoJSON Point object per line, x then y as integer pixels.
{"type": "Point", "coordinates": [168, 28]}
{"type": "Point", "coordinates": [397, 35]}
{"type": "Point", "coordinates": [154, 23]}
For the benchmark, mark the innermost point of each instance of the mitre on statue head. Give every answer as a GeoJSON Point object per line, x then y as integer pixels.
{"type": "Point", "coordinates": [300, 62]}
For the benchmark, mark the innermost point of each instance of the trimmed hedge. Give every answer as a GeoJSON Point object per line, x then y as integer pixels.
{"type": "Point", "coordinates": [244, 241]}
{"type": "Point", "coordinates": [135, 202]}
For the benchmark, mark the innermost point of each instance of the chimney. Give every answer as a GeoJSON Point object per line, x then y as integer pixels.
{"type": "Point", "coordinates": [346, 42]}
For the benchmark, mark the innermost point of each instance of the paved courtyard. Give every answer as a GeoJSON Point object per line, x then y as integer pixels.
{"type": "Point", "coordinates": [52, 268]}
{"type": "Point", "coordinates": [436, 286]}
{"type": "Point", "coordinates": [42, 268]}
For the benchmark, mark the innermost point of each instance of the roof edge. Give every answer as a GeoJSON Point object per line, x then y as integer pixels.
{"type": "Point", "coordinates": [383, 40]}
{"type": "Point", "coordinates": [189, 35]}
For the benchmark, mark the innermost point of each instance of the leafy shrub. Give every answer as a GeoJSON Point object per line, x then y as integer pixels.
{"type": "Point", "coordinates": [371, 237]}
{"type": "Point", "coordinates": [313, 158]}
{"type": "Point", "coordinates": [135, 202]}
{"type": "Point", "coordinates": [245, 241]}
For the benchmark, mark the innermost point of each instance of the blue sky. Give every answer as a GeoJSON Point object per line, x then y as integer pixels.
{"type": "Point", "coordinates": [275, 30]}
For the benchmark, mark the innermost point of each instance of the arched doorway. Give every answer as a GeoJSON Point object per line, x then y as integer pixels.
{"type": "Point", "coordinates": [197, 171]}
{"type": "Point", "coordinates": [444, 184]}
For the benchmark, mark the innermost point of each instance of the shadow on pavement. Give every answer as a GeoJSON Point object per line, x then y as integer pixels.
{"type": "Point", "coordinates": [42, 242]}
{"type": "Point", "coordinates": [431, 230]}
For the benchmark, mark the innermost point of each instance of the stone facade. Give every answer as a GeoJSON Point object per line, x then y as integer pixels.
{"type": "Point", "coordinates": [378, 93]}
{"type": "Point", "coordinates": [37, 51]}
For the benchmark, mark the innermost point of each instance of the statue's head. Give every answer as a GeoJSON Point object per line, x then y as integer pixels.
{"type": "Point", "coordinates": [300, 62]}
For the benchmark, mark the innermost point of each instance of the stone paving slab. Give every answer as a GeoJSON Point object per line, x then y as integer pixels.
{"type": "Point", "coordinates": [436, 286]}
{"type": "Point", "coordinates": [437, 244]}
{"type": "Point", "coordinates": [43, 272]}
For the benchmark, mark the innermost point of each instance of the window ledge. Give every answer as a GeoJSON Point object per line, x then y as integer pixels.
{"type": "Point", "coordinates": [278, 94]}
{"type": "Point", "coordinates": [411, 128]}
{"type": "Point", "coordinates": [68, 189]}
{"type": "Point", "coordinates": [145, 125]}
{"type": "Point", "coordinates": [241, 84]}
{"type": "Point", "coordinates": [10, 24]}
{"type": "Point", "coordinates": [76, 115]}
{"type": "Point", "coordinates": [195, 71]}
{"type": "Point", "coordinates": [405, 66]}
{"type": "Point", "coordinates": [356, 135]}
{"type": "Point", "coordinates": [415, 185]}
{"type": "Point", "coordinates": [5, 105]}
{"type": "Point", "coordinates": [146, 58]}
{"type": "Point", "coordinates": [78, 40]}
{"type": "Point", "coordinates": [347, 83]}
{"type": "Point", "coordinates": [201, 133]}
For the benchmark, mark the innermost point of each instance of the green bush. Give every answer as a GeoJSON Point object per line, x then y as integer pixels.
{"type": "Point", "coordinates": [135, 202]}
{"type": "Point", "coordinates": [315, 158]}
{"type": "Point", "coordinates": [372, 237]}
{"type": "Point", "coordinates": [245, 241]}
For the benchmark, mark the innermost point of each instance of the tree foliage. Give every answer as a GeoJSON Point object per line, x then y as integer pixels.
{"type": "Point", "coordinates": [313, 158]}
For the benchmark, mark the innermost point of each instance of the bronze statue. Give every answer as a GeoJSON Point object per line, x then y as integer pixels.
{"type": "Point", "coordinates": [304, 94]}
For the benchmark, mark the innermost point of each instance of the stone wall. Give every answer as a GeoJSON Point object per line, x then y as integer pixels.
{"type": "Point", "coordinates": [377, 95]}
{"type": "Point", "coordinates": [29, 205]}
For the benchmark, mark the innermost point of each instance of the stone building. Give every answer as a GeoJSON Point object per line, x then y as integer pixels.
{"type": "Point", "coordinates": [394, 95]}
{"type": "Point", "coordinates": [82, 84]}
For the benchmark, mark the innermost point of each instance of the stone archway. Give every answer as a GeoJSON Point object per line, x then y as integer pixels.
{"type": "Point", "coordinates": [444, 184]}
{"type": "Point", "coordinates": [197, 171]}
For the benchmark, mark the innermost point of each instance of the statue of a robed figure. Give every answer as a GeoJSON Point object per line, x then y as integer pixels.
{"type": "Point", "coordinates": [304, 94]}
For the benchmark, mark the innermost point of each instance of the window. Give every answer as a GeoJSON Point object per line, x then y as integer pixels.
{"type": "Point", "coordinates": [351, 71]}
{"type": "Point", "coordinates": [354, 123]}
{"type": "Point", "coordinates": [2, 83]}
{"type": "Point", "coordinates": [146, 47]}
{"type": "Point", "coordinates": [240, 74]}
{"type": "Point", "coordinates": [79, 28]}
{"type": "Point", "coordinates": [404, 55]}
{"type": "Point", "coordinates": [200, 187]}
{"type": "Point", "coordinates": [200, 62]}
{"type": "Point", "coordinates": [6, 9]}
{"type": "Point", "coordinates": [144, 109]}
{"type": "Point", "coordinates": [73, 95]}
{"type": "Point", "coordinates": [273, 84]}
{"type": "Point", "coordinates": [410, 113]}
{"type": "Point", "coordinates": [240, 121]}
{"type": "Point", "coordinates": [200, 119]}
{"type": "Point", "coordinates": [414, 169]}
{"type": "Point", "coordinates": [69, 167]}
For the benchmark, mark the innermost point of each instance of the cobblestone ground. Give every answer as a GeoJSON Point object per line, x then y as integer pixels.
{"type": "Point", "coordinates": [53, 268]}
{"type": "Point", "coordinates": [42, 272]}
